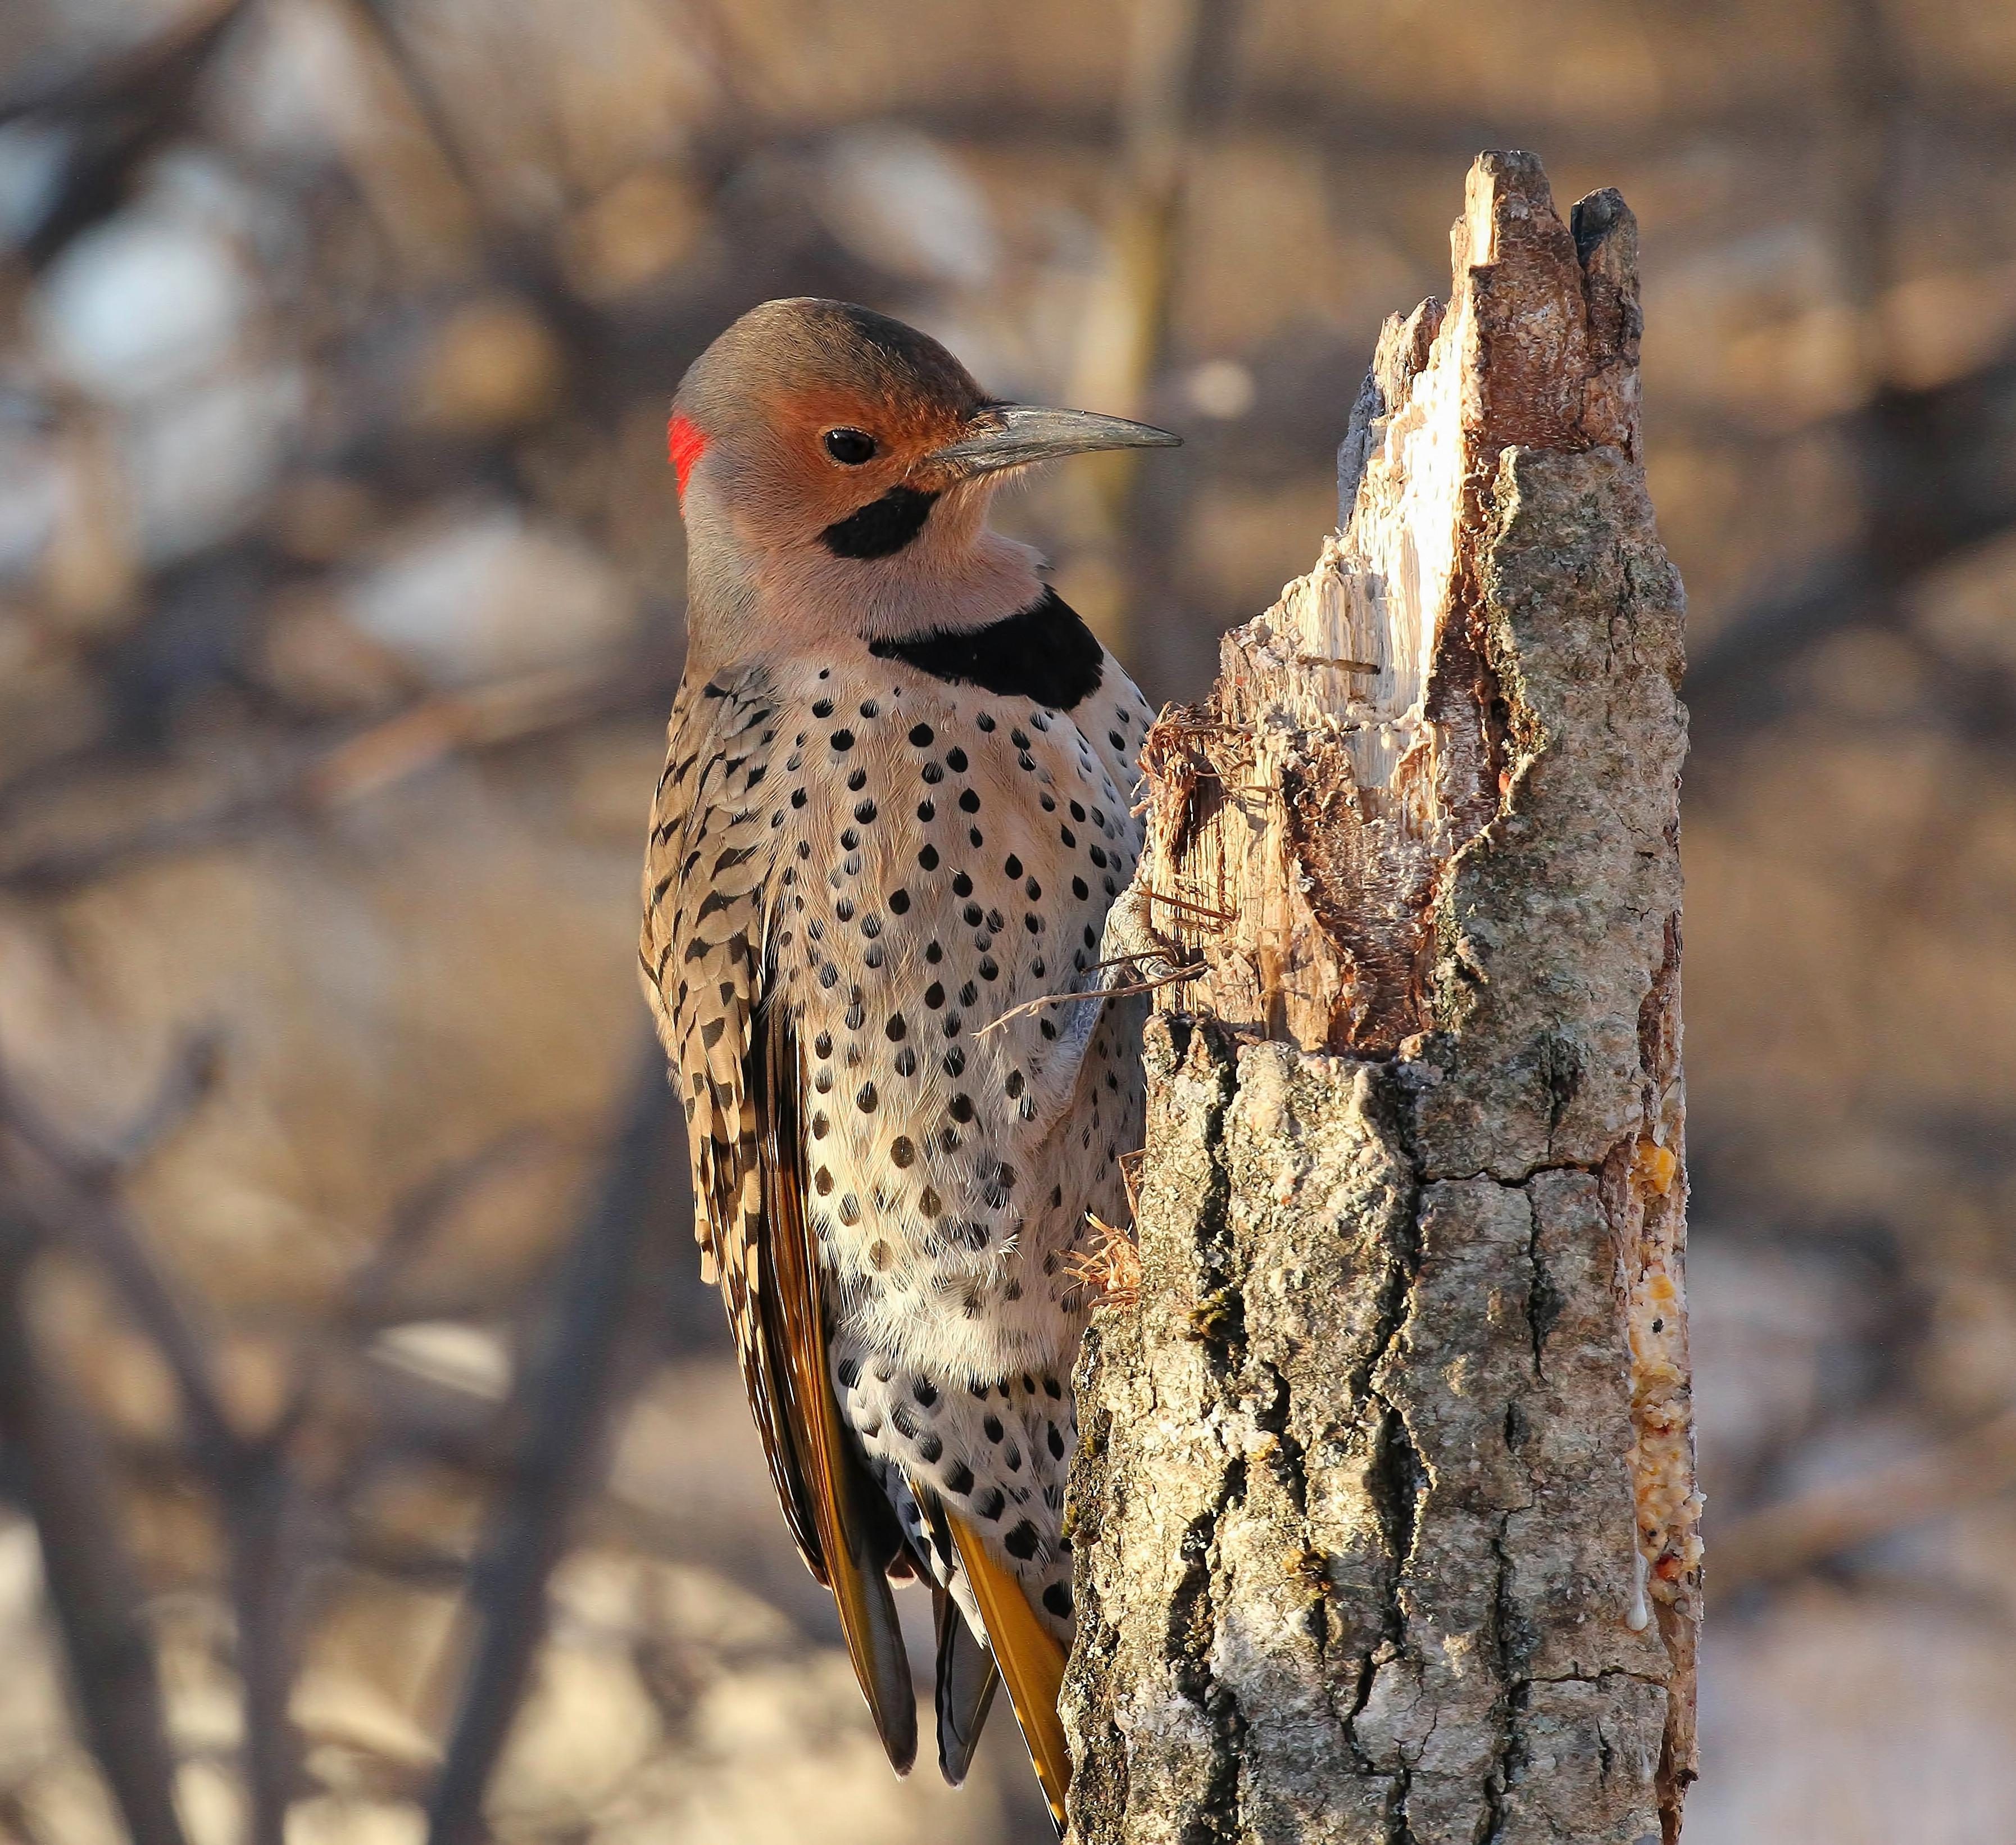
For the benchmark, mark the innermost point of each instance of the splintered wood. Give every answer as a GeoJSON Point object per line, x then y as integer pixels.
{"type": "Point", "coordinates": [1357, 738]}
{"type": "Point", "coordinates": [1388, 1527]}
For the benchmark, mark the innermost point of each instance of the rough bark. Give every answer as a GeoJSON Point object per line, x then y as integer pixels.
{"type": "Point", "coordinates": [1390, 1460]}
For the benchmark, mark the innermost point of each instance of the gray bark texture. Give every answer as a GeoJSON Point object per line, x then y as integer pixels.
{"type": "Point", "coordinates": [1384, 1518]}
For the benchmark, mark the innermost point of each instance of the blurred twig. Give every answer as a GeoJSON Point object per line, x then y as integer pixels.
{"type": "Point", "coordinates": [415, 1218]}
{"type": "Point", "coordinates": [417, 1215]}
{"type": "Point", "coordinates": [563, 1398]}
{"type": "Point", "coordinates": [93, 1587]}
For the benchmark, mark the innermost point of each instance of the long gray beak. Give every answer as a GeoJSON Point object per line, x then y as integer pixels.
{"type": "Point", "coordinates": [1012, 435]}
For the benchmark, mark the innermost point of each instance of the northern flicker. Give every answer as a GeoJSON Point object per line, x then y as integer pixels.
{"type": "Point", "coordinates": [893, 815]}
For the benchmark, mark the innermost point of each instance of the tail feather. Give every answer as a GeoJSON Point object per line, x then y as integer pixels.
{"type": "Point", "coordinates": [966, 1682]}
{"type": "Point", "coordinates": [1030, 1659]}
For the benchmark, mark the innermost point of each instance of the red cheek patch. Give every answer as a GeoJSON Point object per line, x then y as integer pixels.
{"type": "Point", "coordinates": [685, 445]}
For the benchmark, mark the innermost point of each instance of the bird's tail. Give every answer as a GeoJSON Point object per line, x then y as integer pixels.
{"type": "Point", "coordinates": [1030, 1659]}
{"type": "Point", "coordinates": [966, 1682]}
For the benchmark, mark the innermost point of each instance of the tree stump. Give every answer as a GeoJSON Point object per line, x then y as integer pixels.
{"type": "Point", "coordinates": [1385, 1516]}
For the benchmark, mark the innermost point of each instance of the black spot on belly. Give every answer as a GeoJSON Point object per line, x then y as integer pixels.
{"type": "Point", "coordinates": [1021, 1542]}
{"type": "Point", "coordinates": [882, 526]}
{"type": "Point", "coordinates": [1044, 652]}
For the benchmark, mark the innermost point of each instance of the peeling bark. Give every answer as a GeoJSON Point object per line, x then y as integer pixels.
{"type": "Point", "coordinates": [1391, 1457]}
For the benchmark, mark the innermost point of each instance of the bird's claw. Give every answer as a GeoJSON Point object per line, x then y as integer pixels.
{"type": "Point", "coordinates": [1133, 952]}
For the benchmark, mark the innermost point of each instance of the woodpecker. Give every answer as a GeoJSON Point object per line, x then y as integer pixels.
{"type": "Point", "coordinates": [895, 812]}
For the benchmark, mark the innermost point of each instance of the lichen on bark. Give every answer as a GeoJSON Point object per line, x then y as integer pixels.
{"type": "Point", "coordinates": [1385, 1461]}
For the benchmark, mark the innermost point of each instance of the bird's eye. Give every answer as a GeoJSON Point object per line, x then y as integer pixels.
{"type": "Point", "coordinates": [851, 446]}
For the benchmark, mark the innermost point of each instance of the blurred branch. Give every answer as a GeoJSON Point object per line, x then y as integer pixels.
{"type": "Point", "coordinates": [414, 182]}
{"type": "Point", "coordinates": [520, 254]}
{"type": "Point", "coordinates": [116, 114]}
{"type": "Point", "coordinates": [1177, 49]}
{"type": "Point", "coordinates": [1123, 331]}
{"type": "Point", "coordinates": [1971, 124]}
{"type": "Point", "coordinates": [1782, 1540]}
{"type": "Point", "coordinates": [265, 1508]}
{"type": "Point", "coordinates": [1865, 149]}
{"type": "Point", "coordinates": [374, 761]}
{"type": "Point", "coordinates": [563, 1399]}
{"type": "Point", "coordinates": [63, 1192]}
{"type": "Point", "coordinates": [707, 31]}
{"type": "Point", "coordinates": [484, 717]}
{"type": "Point", "coordinates": [193, 1073]}
{"type": "Point", "coordinates": [381, 18]}
{"type": "Point", "coordinates": [1936, 482]}
{"type": "Point", "coordinates": [93, 1586]}
{"type": "Point", "coordinates": [69, 1196]}
{"type": "Point", "coordinates": [1932, 476]}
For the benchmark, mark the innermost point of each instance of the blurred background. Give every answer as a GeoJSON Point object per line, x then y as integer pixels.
{"type": "Point", "coordinates": [346, 1293]}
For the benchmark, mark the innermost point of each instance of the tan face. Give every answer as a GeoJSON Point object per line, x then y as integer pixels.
{"type": "Point", "coordinates": [804, 412]}
{"type": "Point", "coordinates": [823, 454]}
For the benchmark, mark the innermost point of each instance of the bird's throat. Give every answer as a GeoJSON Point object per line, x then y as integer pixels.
{"type": "Point", "coordinates": [755, 588]}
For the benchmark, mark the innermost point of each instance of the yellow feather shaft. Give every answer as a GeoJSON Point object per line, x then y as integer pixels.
{"type": "Point", "coordinates": [1030, 1658]}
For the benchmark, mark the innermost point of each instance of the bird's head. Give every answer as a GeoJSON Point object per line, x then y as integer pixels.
{"type": "Point", "coordinates": [834, 468]}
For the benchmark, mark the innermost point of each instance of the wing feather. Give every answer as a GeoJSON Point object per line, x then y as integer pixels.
{"type": "Point", "coordinates": [702, 958]}
{"type": "Point", "coordinates": [739, 1075]}
{"type": "Point", "coordinates": [858, 1536]}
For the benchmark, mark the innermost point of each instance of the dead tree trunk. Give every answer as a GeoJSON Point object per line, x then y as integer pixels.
{"type": "Point", "coordinates": [1386, 1519]}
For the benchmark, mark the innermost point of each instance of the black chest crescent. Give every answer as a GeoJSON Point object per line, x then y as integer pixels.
{"type": "Point", "coordinates": [1044, 652]}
